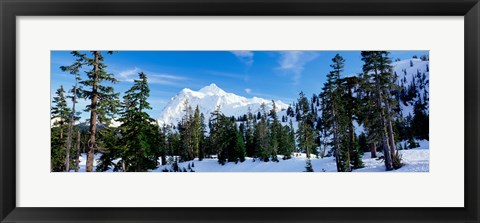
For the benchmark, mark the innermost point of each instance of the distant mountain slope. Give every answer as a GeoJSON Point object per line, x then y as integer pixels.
{"type": "Point", "coordinates": [413, 73]}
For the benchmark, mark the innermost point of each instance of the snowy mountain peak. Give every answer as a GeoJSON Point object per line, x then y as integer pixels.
{"type": "Point", "coordinates": [212, 89]}
{"type": "Point", "coordinates": [208, 98]}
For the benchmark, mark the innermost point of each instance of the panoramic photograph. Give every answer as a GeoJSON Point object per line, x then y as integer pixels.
{"type": "Point", "coordinates": [239, 111]}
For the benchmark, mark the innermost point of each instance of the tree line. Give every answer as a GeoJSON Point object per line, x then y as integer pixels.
{"type": "Point", "coordinates": [325, 124]}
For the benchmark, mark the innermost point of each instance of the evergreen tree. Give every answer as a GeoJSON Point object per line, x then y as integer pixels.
{"type": "Point", "coordinates": [420, 121]}
{"type": "Point", "coordinates": [138, 129]}
{"type": "Point", "coordinates": [275, 134]}
{"type": "Point", "coordinates": [362, 142]}
{"type": "Point", "coordinates": [249, 134]}
{"type": "Point", "coordinates": [197, 132]}
{"type": "Point", "coordinates": [334, 115]}
{"type": "Point", "coordinates": [219, 135]}
{"type": "Point", "coordinates": [60, 114]}
{"type": "Point", "coordinates": [74, 69]}
{"type": "Point", "coordinates": [305, 133]}
{"type": "Point", "coordinates": [379, 80]}
{"type": "Point", "coordinates": [110, 147]}
{"type": "Point", "coordinates": [287, 141]}
{"type": "Point", "coordinates": [186, 130]}
{"type": "Point", "coordinates": [103, 100]}
{"type": "Point", "coordinates": [308, 166]}
{"type": "Point", "coordinates": [261, 136]}
{"type": "Point", "coordinates": [351, 104]}
{"type": "Point", "coordinates": [239, 146]}
{"type": "Point", "coordinates": [203, 140]}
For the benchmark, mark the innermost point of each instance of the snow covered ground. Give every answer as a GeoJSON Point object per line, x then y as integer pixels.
{"type": "Point", "coordinates": [415, 160]}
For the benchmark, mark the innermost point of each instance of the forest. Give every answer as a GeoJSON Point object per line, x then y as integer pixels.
{"type": "Point", "coordinates": [351, 115]}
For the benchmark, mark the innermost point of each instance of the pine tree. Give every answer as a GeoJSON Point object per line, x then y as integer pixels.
{"type": "Point", "coordinates": [239, 146]}
{"type": "Point", "coordinates": [261, 136]}
{"type": "Point", "coordinates": [110, 148]}
{"type": "Point", "coordinates": [305, 133]}
{"type": "Point", "coordinates": [275, 134]}
{"type": "Point", "coordinates": [219, 139]}
{"type": "Point", "coordinates": [351, 104]}
{"type": "Point", "coordinates": [287, 141]}
{"type": "Point", "coordinates": [186, 130]}
{"type": "Point", "coordinates": [197, 132]}
{"type": "Point", "coordinates": [203, 139]}
{"type": "Point", "coordinates": [334, 114]}
{"type": "Point", "coordinates": [249, 134]}
{"type": "Point", "coordinates": [138, 129]}
{"type": "Point", "coordinates": [74, 69]}
{"type": "Point", "coordinates": [60, 113]}
{"type": "Point", "coordinates": [379, 80]}
{"type": "Point", "coordinates": [103, 100]}
{"type": "Point", "coordinates": [420, 121]}
{"type": "Point", "coordinates": [308, 166]}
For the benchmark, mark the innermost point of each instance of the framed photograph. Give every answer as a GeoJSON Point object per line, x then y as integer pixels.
{"type": "Point", "coordinates": [268, 111]}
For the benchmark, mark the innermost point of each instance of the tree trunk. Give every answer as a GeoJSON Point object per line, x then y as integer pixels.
{"type": "Point", "coordinates": [70, 126]}
{"type": "Point", "coordinates": [335, 144]}
{"type": "Point", "coordinates": [351, 128]}
{"type": "Point", "coordinates": [77, 158]}
{"type": "Point", "coordinates": [385, 146]}
{"type": "Point", "coordinates": [93, 114]}
{"type": "Point", "coordinates": [391, 138]}
{"type": "Point", "coordinates": [386, 153]}
{"type": "Point", "coordinates": [373, 149]}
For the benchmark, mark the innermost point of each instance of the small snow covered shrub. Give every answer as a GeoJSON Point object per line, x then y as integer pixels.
{"type": "Point", "coordinates": [308, 167]}
{"type": "Point", "coordinates": [397, 160]}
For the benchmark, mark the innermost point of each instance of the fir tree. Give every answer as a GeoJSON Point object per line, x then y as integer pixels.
{"type": "Point", "coordinates": [74, 69]}
{"type": "Point", "coordinates": [261, 136]}
{"type": "Point", "coordinates": [197, 133]}
{"type": "Point", "coordinates": [379, 82]}
{"type": "Point", "coordinates": [60, 113]}
{"type": "Point", "coordinates": [249, 134]}
{"type": "Point", "coordinates": [138, 130]}
{"type": "Point", "coordinates": [275, 134]}
{"type": "Point", "coordinates": [186, 130]}
{"type": "Point", "coordinates": [351, 104]}
{"type": "Point", "coordinates": [239, 146]}
{"type": "Point", "coordinates": [305, 133]}
{"type": "Point", "coordinates": [219, 135]}
{"type": "Point", "coordinates": [308, 166]}
{"type": "Point", "coordinates": [103, 100]}
{"type": "Point", "coordinates": [334, 115]}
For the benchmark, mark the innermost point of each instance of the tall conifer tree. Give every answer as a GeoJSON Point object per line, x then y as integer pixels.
{"type": "Point", "coordinates": [138, 129]}
{"type": "Point", "coordinates": [74, 69]}
{"type": "Point", "coordinates": [103, 100]}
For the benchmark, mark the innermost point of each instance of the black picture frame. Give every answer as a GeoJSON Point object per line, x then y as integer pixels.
{"type": "Point", "coordinates": [10, 9]}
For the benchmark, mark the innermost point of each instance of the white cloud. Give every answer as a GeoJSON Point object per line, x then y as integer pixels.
{"type": "Point", "coordinates": [294, 61]}
{"type": "Point", "coordinates": [245, 56]}
{"type": "Point", "coordinates": [249, 91]}
{"type": "Point", "coordinates": [153, 78]}
{"type": "Point", "coordinates": [128, 75]}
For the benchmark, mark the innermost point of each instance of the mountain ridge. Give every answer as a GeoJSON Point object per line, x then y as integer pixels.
{"type": "Point", "coordinates": [208, 99]}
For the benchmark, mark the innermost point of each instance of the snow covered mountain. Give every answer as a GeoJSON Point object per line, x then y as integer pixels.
{"type": "Point", "coordinates": [208, 98]}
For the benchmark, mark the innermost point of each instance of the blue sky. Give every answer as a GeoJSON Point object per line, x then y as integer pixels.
{"type": "Point", "coordinates": [278, 75]}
